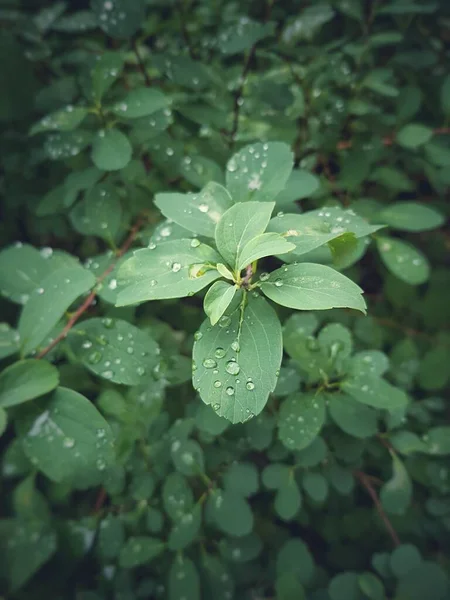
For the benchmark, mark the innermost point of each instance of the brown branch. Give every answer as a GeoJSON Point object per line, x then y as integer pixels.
{"type": "Point", "coordinates": [389, 140]}
{"type": "Point", "coordinates": [90, 299]}
{"type": "Point", "coordinates": [366, 482]}
{"type": "Point", "coordinates": [100, 501]}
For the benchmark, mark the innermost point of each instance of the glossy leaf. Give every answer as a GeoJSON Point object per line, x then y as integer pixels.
{"type": "Point", "coordinates": [217, 300]}
{"type": "Point", "coordinates": [140, 102]}
{"type": "Point", "coordinates": [301, 418]}
{"type": "Point", "coordinates": [111, 150]}
{"type": "Point", "coordinates": [310, 286]}
{"type": "Point", "coordinates": [266, 244]}
{"type": "Point", "coordinates": [25, 380]}
{"type": "Point", "coordinates": [411, 216]}
{"type": "Point", "coordinates": [237, 360]}
{"type": "Point", "coordinates": [374, 391]}
{"type": "Point", "coordinates": [140, 550]}
{"type": "Point", "coordinates": [403, 260]}
{"type": "Point", "coordinates": [168, 270]}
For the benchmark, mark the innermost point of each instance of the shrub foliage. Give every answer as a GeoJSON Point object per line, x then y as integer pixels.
{"type": "Point", "coordinates": [224, 299]}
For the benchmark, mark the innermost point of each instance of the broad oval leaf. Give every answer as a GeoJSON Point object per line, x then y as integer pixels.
{"type": "Point", "coordinates": [310, 286]}
{"type": "Point", "coordinates": [395, 495]}
{"type": "Point", "coordinates": [236, 362]}
{"type": "Point", "coordinates": [411, 216]}
{"type": "Point", "coordinates": [414, 135]}
{"type": "Point", "coordinates": [65, 437]}
{"type": "Point", "coordinates": [111, 150]}
{"type": "Point", "coordinates": [239, 225]}
{"type": "Point", "coordinates": [217, 299]}
{"type": "Point", "coordinates": [48, 303]}
{"type": "Point", "coordinates": [403, 260]}
{"type": "Point", "coordinates": [119, 18]}
{"type": "Point", "coordinates": [259, 171]}
{"type": "Point", "coordinates": [374, 391]}
{"type": "Point", "coordinates": [352, 416]}
{"type": "Point", "coordinates": [230, 512]}
{"type": "Point", "coordinates": [185, 530]}
{"type": "Point", "coordinates": [171, 269]}
{"type": "Point", "coordinates": [140, 102]}
{"type": "Point", "coordinates": [9, 341]}
{"type": "Point", "coordinates": [184, 580]}
{"type": "Point", "coordinates": [66, 119]}
{"type": "Point", "coordinates": [115, 350]}
{"type": "Point", "coordinates": [300, 420]}
{"type": "Point", "coordinates": [22, 269]}
{"type": "Point", "coordinates": [25, 380]}
{"type": "Point", "coordinates": [198, 213]}
{"type": "Point", "coordinates": [140, 550]}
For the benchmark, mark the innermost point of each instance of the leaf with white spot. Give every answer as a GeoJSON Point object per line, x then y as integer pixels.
{"type": "Point", "coordinates": [238, 226]}
{"type": "Point", "coordinates": [65, 119]}
{"type": "Point", "coordinates": [111, 150]}
{"type": "Point", "coordinates": [22, 268]}
{"type": "Point", "coordinates": [374, 391]}
{"type": "Point", "coordinates": [184, 580]}
{"type": "Point", "coordinates": [48, 303]}
{"type": "Point", "coordinates": [352, 416]}
{"type": "Point", "coordinates": [66, 144]}
{"type": "Point", "coordinates": [309, 286]}
{"type": "Point", "coordinates": [266, 244]}
{"type": "Point", "coordinates": [140, 550]}
{"type": "Point", "coordinates": [236, 362]}
{"type": "Point", "coordinates": [198, 213]}
{"type": "Point", "coordinates": [411, 216]}
{"type": "Point", "coordinates": [101, 75]}
{"type": "Point", "coordinates": [217, 299]}
{"type": "Point", "coordinates": [66, 437]}
{"type": "Point", "coordinates": [315, 228]}
{"type": "Point", "coordinates": [438, 440]}
{"type": "Point", "coordinates": [99, 213]}
{"type": "Point", "coordinates": [403, 260]}
{"type": "Point", "coordinates": [140, 102]}
{"type": "Point", "coordinates": [9, 341]}
{"type": "Point", "coordinates": [119, 18]}
{"type": "Point", "coordinates": [26, 380]}
{"type": "Point", "coordinates": [242, 35]}
{"type": "Point", "coordinates": [187, 457]}
{"type": "Point", "coordinates": [115, 350]}
{"type": "Point", "coordinates": [300, 420]}
{"type": "Point", "coordinates": [171, 269]}
{"type": "Point", "coordinates": [259, 172]}
{"type": "Point", "coordinates": [230, 512]}
{"type": "Point", "coordinates": [185, 530]}
{"type": "Point", "coordinates": [107, 289]}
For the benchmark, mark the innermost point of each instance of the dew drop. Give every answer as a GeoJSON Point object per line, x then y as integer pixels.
{"type": "Point", "coordinates": [176, 267]}
{"type": "Point", "coordinates": [107, 374]}
{"type": "Point", "coordinates": [140, 371]}
{"type": "Point", "coordinates": [86, 345]}
{"type": "Point", "coordinates": [152, 245]}
{"type": "Point", "coordinates": [278, 283]}
{"type": "Point", "coordinates": [108, 323]}
{"type": "Point", "coordinates": [68, 442]}
{"type": "Point", "coordinates": [250, 385]}
{"type": "Point", "coordinates": [235, 346]}
{"type": "Point", "coordinates": [219, 353]}
{"type": "Point", "coordinates": [264, 276]}
{"type": "Point", "coordinates": [232, 367]}
{"type": "Point", "coordinates": [94, 358]}
{"type": "Point", "coordinates": [209, 363]}
{"type": "Point", "coordinates": [195, 243]}
{"type": "Point", "coordinates": [230, 390]}
{"type": "Point", "coordinates": [130, 350]}
{"type": "Point", "coordinates": [217, 384]}
{"type": "Point", "coordinates": [224, 321]}
{"type": "Point", "coordinates": [216, 406]}
{"type": "Point", "coordinates": [203, 208]}
{"type": "Point", "coordinates": [198, 336]}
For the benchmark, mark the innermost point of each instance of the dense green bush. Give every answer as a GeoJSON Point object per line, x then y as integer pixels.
{"type": "Point", "coordinates": [264, 163]}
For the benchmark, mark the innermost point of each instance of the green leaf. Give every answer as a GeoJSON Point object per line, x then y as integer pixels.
{"type": "Point", "coordinates": [198, 213]}
{"type": "Point", "coordinates": [230, 512]}
{"type": "Point", "coordinates": [111, 537]}
{"type": "Point", "coordinates": [288, 499]}
{"type": "Point", "coordinates": [309, 286]}
{"type": "Point", "coordinates": [115, 350]}
{"type": "Point", "coordinates": [171, 269]}
{"type": "Point", "coordinates": [238, 226]}
{"type": "Point", "coordinates": [184, 580]}
{"type": "Point", "coordinates": [217, 299]}
{"type": "Point", "coordinates": [403, 260]}
{"type": "Point", "coordinates": [315, 228]}
{"type": "Point", "coordinates": [140, 550]}
{"type": "Point", "coordinates": [65, 119]}
{"type": "Point", "coordinates": [187, 457]}
{"type": "Point", "coordinates": [119, 18]}
{"type": "Point", "coordinates": [140, 102]}
{"type": "Point", "coordinates": [99, 213]}
{"type": "Point", "coordinates": [433, 372]}
{"type": "Point", "coordinates": [411, 216]}
{"type": "Point", "coordinates": [295, 557]}
{"type": "Point", "coordinates": [67, 144]}
{"type": "Point", "coordinates": [300, 184]}
{"type": "Point", "coordinates": [111, 150]}
{"type": "Point", "coordinates": [308, 24]}
{"type": "Point", "coordinates": [316, 486]}
{"type": "Point", "coordinates": [102, 74]}
{"type": "Point", "coordinates": [243, 35]}
{"type": "Point", "coordinates": [237, 361]}
{"type": "Point", "coordinates": [48, 303]}
{"type": "Point", "coordinates": [22, 268]}
{"type": "Point", "coordinates": [438, 440]}
{"type": "Point", "coordinates": [374, 391]}
{"type": "Point", "coordinates": [404, 559]}
{"type": "Point", "coordinates": [218, 583]}
{"type": "Point", "coordinates": [66, 437]}
{"type": "Point", "coordinates": [289, 588]}
{"type": "Point", "coordinates": [30, 545]}
{"type": "Point", "coordinates": [241, 478]}
{"type": "Point", "coordinates": [9, 341]}
{"type": "Point", "coordinates": [177, 496]}
{"type": "Point", "coordinates": [352, 417]}
{"type": "Point", "coordinates": [266, 244]}
{"type": "Point", "coordinates": [259, 172]}
{"type": "Point", "coordinates": [344, 585]}
{"type": "Point", "coordinates": [414, 135]}
{"type": "Point", "coordinates": [185, 530]}
{"type": "Point", "coordinates": [372, 362]}
{"type": "Point", "coordinates": [25, 380]}
{"type": "Point", "coordinates": [301, 418]}
{"type": "Point", "coordinates": [395, 495]}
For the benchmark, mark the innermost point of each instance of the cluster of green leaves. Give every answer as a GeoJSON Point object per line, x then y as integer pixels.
{"type": "Point", "coordinates": [193, 402]}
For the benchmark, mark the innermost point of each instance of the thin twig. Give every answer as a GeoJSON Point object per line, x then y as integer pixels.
{"type": "Point", "coordinates": [366, 482]}
{"type": "Point", "coordinates": [91, 297]}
